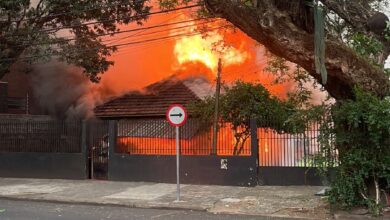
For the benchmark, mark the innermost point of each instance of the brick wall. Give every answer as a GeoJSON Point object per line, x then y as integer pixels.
{"type": "Point", "coordinates": [3, 97]}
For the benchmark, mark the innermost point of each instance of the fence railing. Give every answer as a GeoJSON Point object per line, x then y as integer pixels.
{"type": "Point", "coordinates": [280, 148]}
{"type": "Point", "coordinates": [157, 137]}
{"type": "Point", "coordinates": [45, 136]}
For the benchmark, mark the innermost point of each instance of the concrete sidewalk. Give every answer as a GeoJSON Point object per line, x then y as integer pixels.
{"type": "Point", "coordinates": [292, 202]}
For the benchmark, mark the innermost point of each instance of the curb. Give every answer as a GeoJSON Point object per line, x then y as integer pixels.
{"type": "Point", "coordinates": [109, 204]}
{"type": "Point", "coordinates": [42, 200]}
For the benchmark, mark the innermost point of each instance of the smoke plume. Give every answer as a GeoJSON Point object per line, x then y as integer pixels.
{"type": "Point", "coordinates": [64, 92]}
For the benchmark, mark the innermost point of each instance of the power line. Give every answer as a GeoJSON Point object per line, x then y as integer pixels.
{"type": "Point", "coordinates": [121, 32]}
{"type": "Point", "coordinates": [165, 30]}
{"type": "Point", "coordinates": [108, 20]}
{"type": "Point", "coordinates": [149, 40]}
{"type": "Point", "coordinates": [120, 45]}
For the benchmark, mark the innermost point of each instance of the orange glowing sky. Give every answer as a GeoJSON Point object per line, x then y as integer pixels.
{"type": "Point", "coordinates": [139, 65]}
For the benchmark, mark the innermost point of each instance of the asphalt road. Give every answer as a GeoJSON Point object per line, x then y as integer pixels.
{"type": "Point", "coordinates": [28, 210]}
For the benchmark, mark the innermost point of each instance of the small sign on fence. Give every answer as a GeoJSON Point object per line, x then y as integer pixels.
{"type": "Point", "coordinates": [177, 116]}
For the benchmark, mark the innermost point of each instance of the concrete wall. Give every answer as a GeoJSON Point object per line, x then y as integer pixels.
{"type": "Point", "coordinates": [43, 165]}
{"type": "Point", "coordinates": [240, 171]}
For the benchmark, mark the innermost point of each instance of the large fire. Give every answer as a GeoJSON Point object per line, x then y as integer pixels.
{"type": "Point", "coordinates": [194, 53]}
{"type": "Point", "coordinates": [207, 50]}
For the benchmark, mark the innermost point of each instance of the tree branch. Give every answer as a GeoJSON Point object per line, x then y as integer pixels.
{"type": "Point", "coordinates": [357, 15]}
{"type": "Point", "coordinates": [352, 12]}
{"type": "Point", "coordinates": [275, 30]}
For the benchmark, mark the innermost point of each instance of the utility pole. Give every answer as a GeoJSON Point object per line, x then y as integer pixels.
{"type": "Point", "coordinates": [216, 110]}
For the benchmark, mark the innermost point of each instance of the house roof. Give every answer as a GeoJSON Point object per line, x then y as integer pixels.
{"type": "Point", "coordinates": [155, 99]}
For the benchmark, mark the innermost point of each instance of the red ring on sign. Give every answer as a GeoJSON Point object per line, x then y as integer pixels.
{"type": "Point", "coordinates": [185, 115]}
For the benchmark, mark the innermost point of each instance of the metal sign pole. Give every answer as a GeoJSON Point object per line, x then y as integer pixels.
{"type": "Point", "coordinates": [177, 116]}
{"type": "Point", "coordinates": [177, 164]}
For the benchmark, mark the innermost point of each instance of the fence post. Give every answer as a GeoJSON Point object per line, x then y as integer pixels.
{"type": "Point", "coordinates": [254, 140]}
{"type": "Point", "coordinates": [84, 137]}
{"type": "Point", "coordinates": [254, 150]}
{"type": "Point", "coordinates": [112, 136]}
{"type": "Point", "coordinates": [84, 146]}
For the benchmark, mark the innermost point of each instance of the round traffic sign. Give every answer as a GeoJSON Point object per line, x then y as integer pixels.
{"type": "Point", "coordinates": [177, 115]}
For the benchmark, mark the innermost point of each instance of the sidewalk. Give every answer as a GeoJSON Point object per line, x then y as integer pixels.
{"type": "Point", "coordinates": [292, 202]}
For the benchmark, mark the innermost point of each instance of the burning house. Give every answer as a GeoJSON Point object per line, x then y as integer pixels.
{"type": "Point", "coordinates": [142, 128]}
{"type": "Point", "coordinates": [154, 100]}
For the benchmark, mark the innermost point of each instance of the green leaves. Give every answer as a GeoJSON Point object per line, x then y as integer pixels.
{"type": "Point", "coordinates": [68, 30]}
{"type": "Point", "coordinates": [242, 101]}
{"type": "Point", "coordinates": [361, 128]}
{"type": "Point", "coordinates": [387, 31]}
{"type": "Point", "coordinates": [365, 45]}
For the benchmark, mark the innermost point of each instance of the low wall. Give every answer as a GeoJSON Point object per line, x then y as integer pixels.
{"type": "Point", "coordinates": [289, 176]}
{"type": "Point", "coordinates": [239, 171]}
{"type": "Point", "coordinates": [43, 165]}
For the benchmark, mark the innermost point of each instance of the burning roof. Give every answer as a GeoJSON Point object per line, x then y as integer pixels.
{"type": "Point", "coordinates": [155, 99]}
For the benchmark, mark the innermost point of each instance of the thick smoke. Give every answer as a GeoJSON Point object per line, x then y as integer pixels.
{"type": "Point", "coordinates": [64, 92]}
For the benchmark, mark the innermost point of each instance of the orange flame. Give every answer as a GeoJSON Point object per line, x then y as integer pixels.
{"type": "Point", "coordinates": [207, 50]}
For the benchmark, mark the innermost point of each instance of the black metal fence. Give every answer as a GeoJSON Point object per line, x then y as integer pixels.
{"type": "Point", "coordinates": [288, 149]}
{"type": "Point", "coordinates": [97, 143]}
{"type": "Point", "coordinates": [281, 148]}
{"type": "Point", "coordinates": [276, 148]}
{"type": "Point", "coordinates": [157, 137]}
{"type": "Point", "coordinates": [44, 136]}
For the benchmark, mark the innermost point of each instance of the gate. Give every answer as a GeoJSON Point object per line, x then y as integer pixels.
{"type": "Point", "coordinates": [97, 142]}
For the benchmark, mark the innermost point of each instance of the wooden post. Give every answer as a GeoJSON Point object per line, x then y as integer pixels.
{"type": "Point", "coordinates": [216, 111]}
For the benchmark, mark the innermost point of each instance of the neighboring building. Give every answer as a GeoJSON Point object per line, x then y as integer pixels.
{"type": "Point", "coordinates": [16, 95]}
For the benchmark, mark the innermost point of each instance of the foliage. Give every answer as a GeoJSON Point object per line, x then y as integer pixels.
{"type": "Point", "coordinates": [360, 129]}
{"type": "Point", "coordinates": [242, 101]}
{"type": "Point", "coordinates": [387, 31]}
{"type": "Point", "coordinates": [365, 45]}
{"type": "Point", "coordinates": [32, 32]}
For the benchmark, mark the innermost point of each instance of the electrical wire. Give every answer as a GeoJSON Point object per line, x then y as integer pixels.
{"type": "Point", "coordinates": [120, 32]}
{"type": "Point", "coordinates": [123, 44]}
{"type": "Point", "coordinates": [53, 30]}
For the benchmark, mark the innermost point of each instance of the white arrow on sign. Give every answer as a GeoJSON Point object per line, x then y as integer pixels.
{"type": "Point", "coordinates": [176, 115]}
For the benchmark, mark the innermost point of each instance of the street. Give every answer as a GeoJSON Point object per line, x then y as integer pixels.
{"type": "Point", "coordinates": [30, 210]}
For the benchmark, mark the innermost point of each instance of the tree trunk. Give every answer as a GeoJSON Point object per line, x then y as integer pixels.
{"type": "Point", "coordinates": [280, 35]}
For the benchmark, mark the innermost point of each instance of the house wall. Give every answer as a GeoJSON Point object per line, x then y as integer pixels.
{"type": "Point", "coordinates": [19, 88]}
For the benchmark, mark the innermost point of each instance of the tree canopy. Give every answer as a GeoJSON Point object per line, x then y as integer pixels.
{"type": "Point", "coordinates": [68, 30]}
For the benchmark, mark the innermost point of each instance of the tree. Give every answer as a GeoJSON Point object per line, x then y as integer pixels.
{"type": "Point", "coordinates": [362, 140]}
{"type": "Point", "coordinates": [242, 101]}
{"type": "Point", "coordinates": [285, 28]}
{"type": "Point", "coordinates": [68, 30]}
